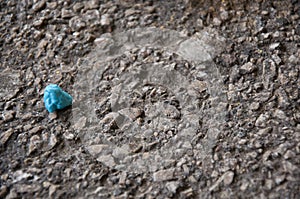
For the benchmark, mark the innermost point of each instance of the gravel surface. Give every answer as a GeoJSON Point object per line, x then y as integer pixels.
{"type": "Point", "coordinates": [172, 99]}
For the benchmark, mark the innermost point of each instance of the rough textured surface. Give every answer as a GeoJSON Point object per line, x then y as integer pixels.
{"type": "Point", "coordinates": [155, 107]}
{"type": "Point", "coordinates": [146, 139]}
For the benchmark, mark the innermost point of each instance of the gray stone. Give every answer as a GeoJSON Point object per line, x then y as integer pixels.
{"type": "Point", "coordinates": [80, 124]}
{"type": "Point", "coordinates": [224, 15]}
{"type": "Point", "coordinates": [280, 114]}
{"type": "Point", "coordinates": [244, 185]}
{"type": "Point", "coordinates": [189, 50]}
{"type": "Point", "coordinates": [164, 175]}
{"type": "Point", "coordinates": [39, 22]}
{"type": "Point", "coordinates": [214, 174]}
{"type": "Point", "coordinates": [171, 111]}
{"type": "Point", "coordinates": [92, 4]}
{"type": "Point", "coordinates": [283, 100]}
{"type": "Point", "coordinates": [95, 150]}
{"type": "Point", "coordinates": [65, 13]}
{"type": "Point", "coordinates": [52, 141]}
{"type": "Point", "coordinates": [69, 135]}
{"type": "Point", "coordinates": [39, 5]}
{"type": "Point", "coordinates": [248, 68]}
{"type": "Point", "coordinates": [188, 193]}
{"type": "Point", "coordinates": [217, 21]}
{"type": "Point", "coordinates": [172, 186]}
{"type": "Point", "coordinates": [228, 177]}
{"type": "Point", "coordinates": [266, 156]}
{"type": "Point", "coordinates": [107, 160]}
{"type": "Point", "coordinates": [131, 113]}
{"type": "Point", "coordinates": [150, 9]}
{"type": "Point", "coordinates": [110, 122]}
{"type": "Point", "coordinates": [289, 155]}
{"type": "Point", "coordinates": [105, 20]}
{"type": "Point", "coordinates": [254, 106]}
{"type": "Point", "coordinates": [269, 184]}
{"type": "Point", "coordinates": [289, 167]}
{"type": "Point", "coordinates": [52, 190]}
{"type": "Point", "coordinates": [261, 120]}
{"type": "Point", "coordinates": [276, 59]}
{"type": "Point", "coordinates": [264, 131]}
{"type": "Point", "coordinates": [121, 152]}
{"type": "Point", "coordinates": [131, 11]}
{"type": "Point", "coordinates": [53, 116]}
{"type": "Point", "coordinates": [197, 88]}
{"type": "Point", "coordinates": [34, 144]}
{"type": "Point", "coordinates": [78, 6]}
{"type": "Point", "coordinates": [269, 72]}
{"type": "Point", "coordinates": [35, 130]}
{"type": "Point", "coordinates": [77, 23]}
{"type": "Point", "coordinates": [273, 46]}
{"type": "Point", "coordinates": [92, 16]}
{"type": "Point", "coordinates": [279, 179]}
{"type": "Point", "coordinates": [122, 178]}
{"type": "Point", "coordinates": [293, 59]}
{"type": "Point", "coordinates": [8, 115]}
{"type": "Point", "coordinates": [4, 137]}
{"type": "Point", "coordinates": [20, 175]}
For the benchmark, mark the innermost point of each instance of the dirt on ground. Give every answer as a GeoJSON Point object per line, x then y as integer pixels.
{"type": "Point", "coordinates": [171, 99]}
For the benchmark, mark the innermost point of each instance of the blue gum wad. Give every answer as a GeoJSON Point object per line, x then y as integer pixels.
{"type": "Point", "coordinates": [55, 98]}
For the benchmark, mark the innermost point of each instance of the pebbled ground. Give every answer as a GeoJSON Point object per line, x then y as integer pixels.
{"type": "Point", "coordinates": [150, 119]}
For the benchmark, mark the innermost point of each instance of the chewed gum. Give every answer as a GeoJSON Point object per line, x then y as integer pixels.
{"type": "Point", "coordinates": [55, 98]}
